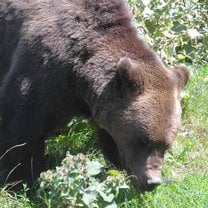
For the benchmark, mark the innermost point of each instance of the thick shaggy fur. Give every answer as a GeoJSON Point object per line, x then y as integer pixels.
{"type": "Point", "coordinates": [60, 59]}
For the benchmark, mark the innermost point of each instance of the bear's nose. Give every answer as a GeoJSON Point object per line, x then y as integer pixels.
{"type": "Point", "coordinates": [152, 183]}
{"type": "Point", "coordinates": [155, 180]}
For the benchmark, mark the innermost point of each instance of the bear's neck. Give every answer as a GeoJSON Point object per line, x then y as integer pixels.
{"type": "Point", "coordinates": [95, 87]}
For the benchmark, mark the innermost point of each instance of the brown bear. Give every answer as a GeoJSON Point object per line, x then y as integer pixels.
{"type": "Point", "coordinates": [66, 58]}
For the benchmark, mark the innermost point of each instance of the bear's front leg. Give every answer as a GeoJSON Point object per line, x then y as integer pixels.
{"type": "Point", "coordinates": [21, 148]}
{"type": "Point", "coordinates": [21, 132]}
{"type": "Point", "coordinates": [21, 162]}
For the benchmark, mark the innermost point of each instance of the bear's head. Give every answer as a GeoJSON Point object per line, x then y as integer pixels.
{"type": "Point", "coordinates": [143, 117]}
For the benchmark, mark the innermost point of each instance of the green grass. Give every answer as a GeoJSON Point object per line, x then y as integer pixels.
{"type": "Point", "coordinates": [78, 136]}
{"type": "Point", "coordinates": [186, 163]}
{"type": "Point", "coordinates": [192, 191]}
{"type": "Point", "coordinates": [11, 200]}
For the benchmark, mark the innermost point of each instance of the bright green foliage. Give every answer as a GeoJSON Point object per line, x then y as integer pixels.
{"type": "Point", "coordinates": [80, 182]}
{"type": "Point", "coordinates": [12, 200]}
{"type": "Point", "coordinates": [192, 192]}
{"type": "Point", "coordinates": [177, 29]}
{"type": "Point", "coordinates": [196, 103]}
{"type": "Point", "coordinates": [79, 136]}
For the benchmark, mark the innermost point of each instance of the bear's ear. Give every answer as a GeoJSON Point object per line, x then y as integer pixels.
{"type": "Point", "coordinates": [182, 76]}
{"type": "Point", "coordinates": [129, 78]}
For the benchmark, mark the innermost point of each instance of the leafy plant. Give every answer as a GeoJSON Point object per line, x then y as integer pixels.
{"type": "Point", "coordinates": [79, 182]}
{"type": "Point", "coordinates": [177, 30]}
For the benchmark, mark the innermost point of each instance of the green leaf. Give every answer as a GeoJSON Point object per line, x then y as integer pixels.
{"type": "Point", "coordinates": [150, 26]}
{"type": "Point", "coordinates": [94, 168]}
{"type": "Point", "coordinates": [113, 172]}
{"type": "Point", "coordinates": [181, 56]}
{"type": "Point", "coordinates": [113, 205]}
{"type": "Point", "coordinates": [205, 41]}
{"type": "Point", "coordinates": [88, 198]}
{"type": "Point", "coordinates": [179, 28]}
{"type": "Point", "coordinates": [108, 198]}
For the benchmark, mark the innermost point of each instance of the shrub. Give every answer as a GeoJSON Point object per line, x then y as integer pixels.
{"type": "Point", "coordinates": [79, 182]}
{"type": "Point", "coordinates": [176, 29]}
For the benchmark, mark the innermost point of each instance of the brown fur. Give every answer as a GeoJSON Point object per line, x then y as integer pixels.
{"type": "Point", "coordinates": [72, 58]}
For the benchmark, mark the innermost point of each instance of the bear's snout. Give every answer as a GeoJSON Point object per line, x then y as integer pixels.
{"type": "Point", "coordinates": [153, 172]}
{"type": "Point", "coordinates": [146, 184]}
{"type": "Point", "coordinates": [147, 171]}
{"type": "Point", "coordinates": [155, 180]}
{"type": "Point", "coordinates": [147, 180]}
{"type": "Point", "coordinates": [151, 181]}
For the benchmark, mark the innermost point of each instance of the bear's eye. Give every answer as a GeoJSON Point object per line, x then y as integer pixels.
{"type": "Point", "coordinates": [161, 146]}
